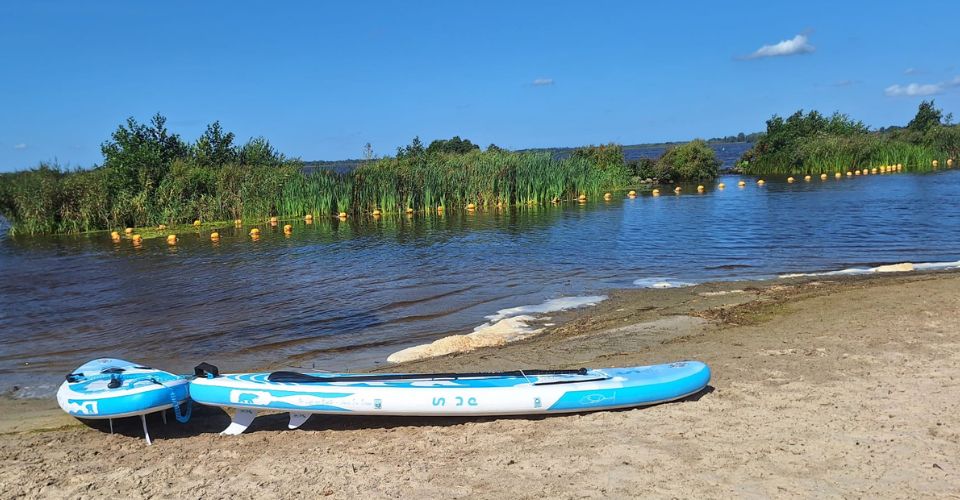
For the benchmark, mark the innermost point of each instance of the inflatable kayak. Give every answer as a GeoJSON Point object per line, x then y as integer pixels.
{"type": "Point", "coordinates": [531, 392]}
{"type": "Point", "coordinates": [113, 388]}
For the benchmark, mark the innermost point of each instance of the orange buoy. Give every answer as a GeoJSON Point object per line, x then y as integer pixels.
{"type": "Point", "coordinates": [237, 222]}
{"type": "Point", "coordinates": [761, 182]}
{"type": "Point", "coordinates": [288, 228]}
{"type": "Point", "coordinates": [409, 210]}
{"type": "Point", "coordinates": [582, 198]}
{"type": "Point", "coordinates": [255, 231]}
{"type": "Point", "coordinates": [214, 235]}
{"type": "Point", "coordinates": [136, 239]}
{"type": "Point", "coordinates": [790, 180]}
{"type": "Point", "coordinates": [655, 192]}
{"type": "Point", "coordinates": [308, 217]}
{"type": "Point", "coordinates": [273, 220]}
{"type": "Point", "coordinates": [807, 178]}
{"type": "Point", "coordinates": [196, 223]}
{"type": "Point", "coordinates": [607, 196]}
{"type": "Point", "coordinates": [171, 239]}
{"type": "Point", "coordinates": [632, 194]}
{"type": "Point", "coordinates": [837, 175]}
{"type": "Point", "coordinates": [700, 188]}
{"type": "Point", "coordinates": [849, 173]}
{"type": "Point", "coordinates": [471, 206]}
{"type": "Point", "coordinates": [741, 183]}
{"type": "Point", "coordinates": [935, 163]}
{"type": "Point", "coordinates": [949, 162]}
{"type": "Point", "coordinates": [343, 215]}
{"type": "Point", "coordinates": [721, 186]}
{"type": "Point", "coordinates": [128, 230]}
{"type": "Point", "coordinates": [823, 177]}
{"type": "Point", "coordinates": [677, 190]}
{"type": "Point", "coordinates": [376, 212]}
{"type": "Point", "coordinates": [873, 170]}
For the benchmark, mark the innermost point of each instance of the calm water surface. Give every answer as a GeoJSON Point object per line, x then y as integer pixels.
{"type": "Point", "coordinates": [343, 295]}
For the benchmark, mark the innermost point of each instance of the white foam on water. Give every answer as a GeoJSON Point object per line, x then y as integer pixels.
{"type": "Point", "coordinates": [889, 268]}
{"type": "Point", "coordinates": [552, 305]}
{"type": "Point", "coordinates": [662, 283]}
{"type": "Point", "coordinates": [507, 325]}
{"type": "Point", "coordinates": [936, 266]}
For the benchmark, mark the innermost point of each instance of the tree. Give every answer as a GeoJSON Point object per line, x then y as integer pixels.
{"type": "Point", "coordinates": [412, 150]}
{"type": "Point", "coordinates": [139, 155]}
{"type": "Point", "coordinates": [927, 117]}
{"type": "Point", "coordinates": [368, 152]}
{"type": "Point", "coordinates": [215, 148]}
{"type": "Point", "coordinates": [454, 145]}
{"type": "Point", "coordinates": [259, 152]}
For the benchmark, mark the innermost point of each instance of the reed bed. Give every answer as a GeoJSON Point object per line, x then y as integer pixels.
{"type": "Point", "coordinates": [49, 200]}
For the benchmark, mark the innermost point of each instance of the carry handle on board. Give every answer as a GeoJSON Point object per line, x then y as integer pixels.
{"type": "Point", "coordinates": [303, 378]}
{"type": "Point", "coordinates": [206, 370]}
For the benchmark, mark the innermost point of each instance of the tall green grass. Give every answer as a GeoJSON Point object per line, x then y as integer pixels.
{"type": "Point", "coordinates": [48, 200]}
{"type": "Point", "coordinates": [829, 154]}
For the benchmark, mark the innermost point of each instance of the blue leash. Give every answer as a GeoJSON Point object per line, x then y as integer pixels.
{"type": "Point", "coordinates": [181, 417]}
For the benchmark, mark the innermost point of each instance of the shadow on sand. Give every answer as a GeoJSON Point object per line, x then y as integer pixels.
{"type": "Point", "coordinates": [212, 420]}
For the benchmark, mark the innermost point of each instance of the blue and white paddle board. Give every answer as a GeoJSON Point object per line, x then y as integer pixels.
{"type": "Point", "coordinates": [534, 392]}
{"type": "Point", "coordinates": [114, 388]}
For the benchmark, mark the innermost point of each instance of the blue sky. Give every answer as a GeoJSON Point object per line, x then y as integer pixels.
{"type": "Point", "coordinates": [322, 79]}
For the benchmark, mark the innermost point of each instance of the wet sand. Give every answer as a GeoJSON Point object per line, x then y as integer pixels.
{"type": "Point", "coordinates": [842, 387]}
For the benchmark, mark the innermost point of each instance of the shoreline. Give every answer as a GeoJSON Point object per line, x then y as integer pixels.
{"type": "Point", "coordinates": [838, 386]}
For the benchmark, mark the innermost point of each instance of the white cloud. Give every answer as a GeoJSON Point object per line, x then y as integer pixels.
{"type": "Point", "coordinates": [542, 82]}
{"type": "Point", "coordinates": [797, 45]}
{"type": "Point", "coordinates": [921, 89]}
{"type": "Point", "coordinates": [911, 71]}
{"type": "Point", "coordinates": [20, 146]}
{"type": "Point", "coordinates": [914, 89]}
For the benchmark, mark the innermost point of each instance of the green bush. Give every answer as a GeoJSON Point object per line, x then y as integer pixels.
{"type": "Point", "coordinates": [694, 160]}
{"type": "Point", "coordinates": [643, 168]}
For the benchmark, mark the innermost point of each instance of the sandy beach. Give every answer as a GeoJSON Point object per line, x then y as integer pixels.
{"type": "Point", "coordinates": [846, 387]}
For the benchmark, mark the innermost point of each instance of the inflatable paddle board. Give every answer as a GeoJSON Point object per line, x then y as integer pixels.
{"type": "Point", "coordinates": [521, 392]}
{"type": "Point", "coordinates": [113, 388]}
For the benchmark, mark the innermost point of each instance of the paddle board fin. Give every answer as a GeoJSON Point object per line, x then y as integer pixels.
{"type": "Point", "coordinates": [241, 420]}
{"type": "Point", "coordinates": [297, 419]}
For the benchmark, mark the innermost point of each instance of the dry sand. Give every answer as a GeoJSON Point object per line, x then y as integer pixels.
{"type": "Point", "coordinates": [847, 388]}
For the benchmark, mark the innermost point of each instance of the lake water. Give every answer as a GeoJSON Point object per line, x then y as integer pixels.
{"type": "Point", "coordinates": [344, 295]}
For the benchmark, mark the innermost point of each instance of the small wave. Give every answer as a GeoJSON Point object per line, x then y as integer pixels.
{"type": "Point", "coordinates": [507, 325]}
{"type": "Point", "coordinates": [889, 268]}
{"type": "Point", "coordinates": [39, 391]}
{"type": "Point", "coordinates": [662, 283]}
